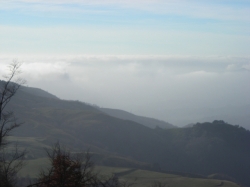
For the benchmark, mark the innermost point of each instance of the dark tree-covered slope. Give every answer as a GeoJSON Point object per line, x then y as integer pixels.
{"type": "Point", "coordinates": [205, 149]}
{"type": "Point", "coordinates": [209, 148]}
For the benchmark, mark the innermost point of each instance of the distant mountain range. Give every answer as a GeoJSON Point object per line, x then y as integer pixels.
{"type": "Point", "coordinates": [204, 148]}
{"type": "Point", "coordinates": [235, 115]}
{"type": "Point", "coordinates": [121, 114]}
{"type": "Point", "coordinates": [148, 122]}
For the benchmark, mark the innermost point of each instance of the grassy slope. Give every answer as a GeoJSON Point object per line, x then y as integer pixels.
{"type": "Point", "coordinates": [142, 178]}
{"type": "Point", "coordinates": [79, 126]}
{"type": "Point", "coordinates": [137, 177]}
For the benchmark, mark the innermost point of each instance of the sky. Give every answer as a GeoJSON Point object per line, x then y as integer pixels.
{"type": "Point", "coordinates": [149, 57]}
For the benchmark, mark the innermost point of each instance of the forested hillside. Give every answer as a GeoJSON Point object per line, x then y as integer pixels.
{"type": "Point", "coordinates": [209, 148]}
{"type": "Point", "coordinates": [205, 149]}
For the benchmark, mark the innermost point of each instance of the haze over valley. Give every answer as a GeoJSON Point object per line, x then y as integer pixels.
{"type": "Point", "coordinates": [158, 91]}
{"type": "Point", "coordinates": [119, 139]}
{"type": "Point", "coordinates": [176, 61]}
{"type": "Point", "coordinates": [178, 91]}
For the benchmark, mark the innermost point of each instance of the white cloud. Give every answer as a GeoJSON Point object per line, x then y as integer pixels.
{"type": "Point", "coordinates": [233, 67]}
{"type": "Point", "coordinates": [240, 66]}
{"type": "Point", "coordinates": [246, 66]}
{"type": "Point", "coordinates": [49, 71]}
{"type": "Point", "coordinates": [146, 85]}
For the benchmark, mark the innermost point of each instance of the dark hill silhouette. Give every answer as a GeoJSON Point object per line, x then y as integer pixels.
{"type": "Point", "coordinates": [205, 148]}
{"type": "Point", "coordinates": [38, 92]}
{"type": "Point", "coordinates": [209, 147]}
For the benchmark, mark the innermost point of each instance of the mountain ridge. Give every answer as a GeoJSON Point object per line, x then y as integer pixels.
{"type": "Point", "coordinates": [205, 148]}
{"type": "Point", "coordinates": [149, 122]}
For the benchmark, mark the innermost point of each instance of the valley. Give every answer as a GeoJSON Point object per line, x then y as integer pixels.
{"type": "Point", "coordinates": [204, 149]}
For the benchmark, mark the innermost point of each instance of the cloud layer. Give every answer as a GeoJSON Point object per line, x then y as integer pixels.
{"type": "Point", "coordinates": [151, 86]}
{"type": "Point", "coordinates": [144, 56]}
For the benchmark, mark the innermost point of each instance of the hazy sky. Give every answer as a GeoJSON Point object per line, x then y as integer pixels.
{"type": "Point", "coordinates": [137, 27]}
{"type": "Point", "coordinates": [144, 56]}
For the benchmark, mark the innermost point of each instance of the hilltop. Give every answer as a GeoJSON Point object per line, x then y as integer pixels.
{"type": "Point", "coordinates": [208, 149]}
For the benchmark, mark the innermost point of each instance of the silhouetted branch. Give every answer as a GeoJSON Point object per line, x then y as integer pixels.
{"type": "Point", "coordinates": [72, 171]}
{"type": "Point", "coordinates": [10, 163]}
{"type": "Point", "coordinates": [8, 89]}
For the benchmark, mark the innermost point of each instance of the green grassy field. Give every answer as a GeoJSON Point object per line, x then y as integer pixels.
{"type": "Point", "coordinates": [136, 177]}
{"type": "Point", "coordinates": [143, 178]}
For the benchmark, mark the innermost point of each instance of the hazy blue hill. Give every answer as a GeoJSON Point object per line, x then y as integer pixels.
{"type": "Point", "coordinates": [81, 126]}
{"type": "Point", "coordinates": [235, 115]}
{"type": "Point", "coordinates": [28, 94]}
{"type": "Point", "coordinates": [189, 125]}
{"type": "Point", "coordinates": [29, 101]}
{"type": "Point", "coordinates": [239, 115]}
{"type": "Point", "coordinates": [89, 129]}
{"type": "Point", "coordinates": [206, 148]}
{"type": "Point", "coordinates": [149, 122]}
{"type": "Point", "coordinates": [38, 92]}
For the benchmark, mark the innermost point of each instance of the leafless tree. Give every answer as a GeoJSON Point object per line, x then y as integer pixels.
{"type": "Point", "coordinates": [72, 171]}
{"type": "Point", "coordinates": [10, 162]}
{"type": "Point", "coordinates": [8, 88]}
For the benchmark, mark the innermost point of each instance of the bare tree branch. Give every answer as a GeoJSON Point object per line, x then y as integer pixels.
{"type": "Point", "coordinates": [73, 171]}
{"type": "Point", "coordinates": [10, 162]}
{"type": "Point", "coordinates": [8, 89]}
